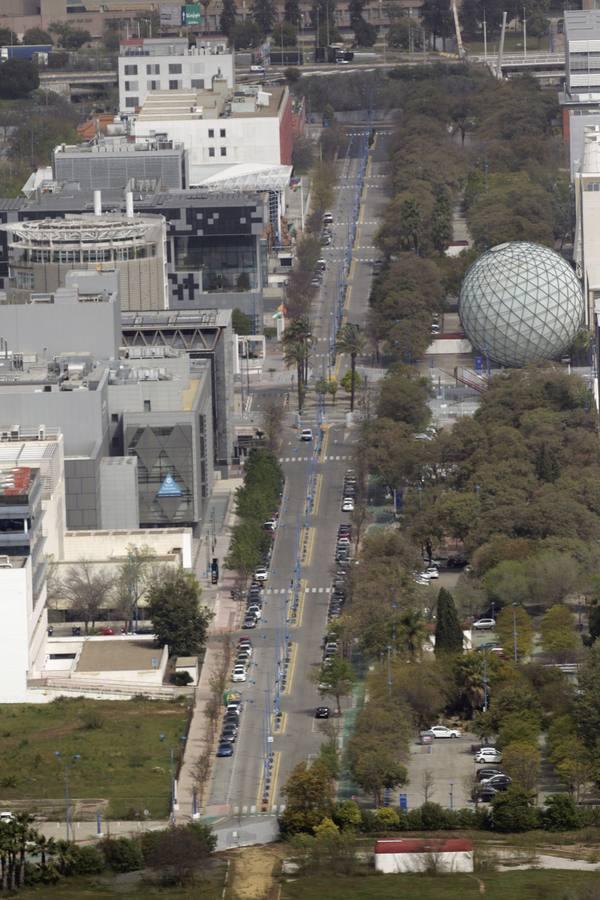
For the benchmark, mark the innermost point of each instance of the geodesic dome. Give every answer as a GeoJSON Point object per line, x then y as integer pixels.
{"type": "Point", "coordinates": [520, 303]}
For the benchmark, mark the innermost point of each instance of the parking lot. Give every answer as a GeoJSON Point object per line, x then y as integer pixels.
{"type": "Point", "coordinates": [441, 770]}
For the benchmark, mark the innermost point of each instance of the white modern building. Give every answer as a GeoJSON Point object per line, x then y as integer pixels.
{"type": "Point", "coordinates": [416, 855]}
{"type": "Point", "coordinates": [221, 129]}
{"type": "Point", "coordinates": [586, 251]}
{"type": "Point", "coordinates": [147, 65]}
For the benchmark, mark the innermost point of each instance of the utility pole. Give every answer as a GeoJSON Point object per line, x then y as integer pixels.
{"type": "Point", "coordinates": [515, 646]}
{"type": "Point", "coordinates": [484, 37]}
{"type": "Point", "coordinates": [389, 672]}
{"type": "Point", "coordinates": [524, 35]}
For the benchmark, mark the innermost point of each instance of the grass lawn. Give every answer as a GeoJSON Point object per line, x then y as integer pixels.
{"type": "Point", "coordinates": [124, 887]}
{"type": "Point", "coordinates": [122, 758]}
{"type": "Point", "coordinates": [529, 885]}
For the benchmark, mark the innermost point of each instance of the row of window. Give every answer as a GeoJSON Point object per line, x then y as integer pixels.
{"type": "Point", "coordinates": [175, 84]}
{"type": "Point", "coordinates": [211, 151]}
{"type": "Point", "coordinates": [105, 254]}
{"type": "Point", "coordinates": [154, 69]}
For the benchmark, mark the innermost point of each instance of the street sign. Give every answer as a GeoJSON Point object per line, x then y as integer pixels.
{"type": "Point", "coordinates": [478, 364]}
{"type": "Point", "coordinates": [403, 801]}
{"type": "Point", "coordinates": [190, 14]}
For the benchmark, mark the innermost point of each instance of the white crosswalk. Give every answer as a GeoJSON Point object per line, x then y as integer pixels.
{"type": "Point", "coordinates": [307, 590]}
{"type": "Point", "coordinates": [288, 459]}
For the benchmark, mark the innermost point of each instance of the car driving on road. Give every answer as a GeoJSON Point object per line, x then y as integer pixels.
{"type": "Point", "coordinates": [442, 731]}
{"type": "Point", "coordinates": [484, 624]}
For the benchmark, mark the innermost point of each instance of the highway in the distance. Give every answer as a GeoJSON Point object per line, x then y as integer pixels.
{"type": "Point", "coordinates": [237, 785]}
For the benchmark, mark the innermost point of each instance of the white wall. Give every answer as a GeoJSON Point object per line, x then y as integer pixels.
{"type": "Point", "coordinates": [247, 140]}
{"type": "Point", "coordinates": [196, 67]}
{"type": "Point", "coordinates": [397, 863]}
{"type": "Point", "coordinates": [15, 611]}
{"type": "Point", "coordinates": [102, 546]}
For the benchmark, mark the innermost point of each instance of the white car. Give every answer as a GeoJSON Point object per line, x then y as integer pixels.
{"type": "Point", "coordinates": [432, 572]}
{"type": "Point", "coordinates": [239, 674]}
{"type": "Point", "coordinates": [484, 624]}
{"type": "Point", "coordinates": [442, 731]}
{"type": "Point", "coordinates": [261, 574]}
{"type": "Point", "coordinates": [254, 610]}
{"type": "Point", "coordinates": [348, 504]}
{"type": "Point", "coordinates": [422, 579]}
{"type": "Point", "coordinates": [488, 755]}
{"type": "Point", "coordinates": [306, 434]}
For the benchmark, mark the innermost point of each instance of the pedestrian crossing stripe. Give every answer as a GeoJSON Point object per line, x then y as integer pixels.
{"type": "Point", "coordinates": [287, 590]}
{"type": "Point", "coordinates": [288, 459]}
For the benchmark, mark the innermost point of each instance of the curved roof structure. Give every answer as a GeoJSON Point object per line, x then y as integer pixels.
{"type": "Point", "coordinates": [247, 177]}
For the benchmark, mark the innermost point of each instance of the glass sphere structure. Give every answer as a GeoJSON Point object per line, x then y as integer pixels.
{"type": "Point", "coordinates": [521, 303]}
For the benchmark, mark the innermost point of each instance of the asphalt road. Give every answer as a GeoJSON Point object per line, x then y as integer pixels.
{"type": "Point", "coordinates": [238, 782]}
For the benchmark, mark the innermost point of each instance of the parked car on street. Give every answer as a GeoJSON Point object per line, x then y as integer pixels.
{"type": "Point", "coordinates": [487, 772]}
{"type": "Point", "coordinates": [322, 712]}
{"type": "Point", "coordinates": [498, 782]}
{"type": "Point", "coordinates": [442, 731]}
{"type": "Point", "coordinates": [261, 573]}
{"type": "Point", "coordinates": [488, 755]}
{"type": "Point", "coordinates": [484, 624]}
{"type": "Point", "coordinates": [225, 750]}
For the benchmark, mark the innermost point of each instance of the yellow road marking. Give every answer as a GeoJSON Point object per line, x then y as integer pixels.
{"type": "Point", "coordinates": [260, 787]}
{"type": "Point", "coordinates": [291, 670]}
{"type": "Point", "coordinates": [317, 494]}
{"type": "Point", "coordinates": [324, 446]}
{"type": "Point", "coordinates": [275, 776]}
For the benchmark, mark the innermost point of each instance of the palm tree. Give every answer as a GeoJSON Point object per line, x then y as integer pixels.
{"type": "Point", "coordinates": [412, 633]}
{"type": "Point", "coordinates": [350, 340]}
{"type": "Point", "coordinates": [296, 349]}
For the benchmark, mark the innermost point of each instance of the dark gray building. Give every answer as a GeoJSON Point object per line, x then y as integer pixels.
{"type": "Point", "coordinates": [216, 255]}
{"type": "Point", "coordinates": [114, 163]}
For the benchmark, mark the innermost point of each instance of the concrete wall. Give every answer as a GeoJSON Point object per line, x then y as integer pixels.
{"type": "Point", "coordinates": [103, 546]}
{"type": "Point", "coordinates": [119, 503]}
{"type": "Point", "coordinates": [199, 66]}
{"type": "Point", "coordinates": [15, 611]}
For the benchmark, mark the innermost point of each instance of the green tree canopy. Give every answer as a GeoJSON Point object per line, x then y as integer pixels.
{"type": "Point", "coordinates": [18, 78]}
{"type": "Point", "coordinates": [448, 632]}
{"type": "Point", "coordinates": [176, 614]}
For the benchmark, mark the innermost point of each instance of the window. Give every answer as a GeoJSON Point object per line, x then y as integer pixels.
{"type": "Point", "coordinates": [153, 69]}
{"type": "Point", "coordinates": [223, 151]}
{"type": "Point", "coordinates": [147, 406]}
{"type": "Point", "coordinates": [211, 151]}
{"type": "Point", "coordinates": [174, 68]}
{"type": "Point", "coordinates": [174, 85]}
{"type": "Point", "coordinates": [153, 85]}
{"type": "Point", "coordinates": [131, 70]}
{"type": "Point", "coordinates": [114, 417]}
{"type": "Point", "coordinates": [211, 132]}
{"type": "Point", "coordinates": [197, 83]}
{"type": "Point", "coordinates": [132, 102]}
{"type": "Point", "coordinates": [222, 132]}
{"type": "Point", "coordinates": [132, 85]}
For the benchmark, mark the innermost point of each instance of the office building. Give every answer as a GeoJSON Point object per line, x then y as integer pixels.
{"type": "Point", "coordinates": [148, 65]}
{"type": "Point", "coordinates": [580, 99]}
{"type": "Point", "coordinates": [216, 248]}
{"type": "Point", "coordinates": [114, 163]}
{"type": "Point", "coordinates": [221, 128]}
{"type": "Point", "coordinates": [42, 251]}
{"type": "Point", "coordinates": [202, 334]}
{"type": "Point", "coordinates": [586, 250]}
{"type": "Point", "coordinates": [161, 414]}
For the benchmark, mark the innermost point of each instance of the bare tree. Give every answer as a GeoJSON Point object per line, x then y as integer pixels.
{"type": "Point", "coordinates": [54, 587]}
{"type": "Point", "coordinates": [88, 590]}
{"type": "Point", "coordinates": [133, 579]}
{"type": "Point", "coordinates": [427, 784]}
{"type": "Point", "coordinates": [273, 413]}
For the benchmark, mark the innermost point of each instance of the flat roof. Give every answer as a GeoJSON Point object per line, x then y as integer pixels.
{"type": "Point", "coordinates": [15, 481]}
{"type": "Point", "coordinates": [192, 318]}
{"type": "Point", "coordinates": [116, 655]}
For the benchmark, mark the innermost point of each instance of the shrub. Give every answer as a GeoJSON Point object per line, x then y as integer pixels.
{"type": "Point", "coordinates": [87, 860]}
{"type": "Point", "coordinates": [122, 854]}
{"type": "Point", "coordinates": [560, 813]}
{"type": "Point", "coordinates": [347, 814]}
{"type": "Point", "coordinates": [512, 811]}
{"type": "Point", "coordinates": [181, 679]}
{"type": "Point", "coordinates": [387, 818]}
{"type": "Point", "coordinates": [434, 817]}
{"type": "Point", "coordinates": [369, 821]}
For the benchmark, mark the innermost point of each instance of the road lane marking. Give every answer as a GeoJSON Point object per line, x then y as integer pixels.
{"type": "Point", "coordinates": [275, 775]}
{"type": "Point", "coordinates": [317, 494]}
{"type": "Point", "coordinates": [311, 543]}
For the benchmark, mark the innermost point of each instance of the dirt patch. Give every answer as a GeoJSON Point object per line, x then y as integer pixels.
{"type": "Point", "coordinates": [252, 873]}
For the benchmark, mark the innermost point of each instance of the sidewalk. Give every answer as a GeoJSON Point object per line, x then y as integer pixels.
{"type": "Point", "coordinates": [227, 611]}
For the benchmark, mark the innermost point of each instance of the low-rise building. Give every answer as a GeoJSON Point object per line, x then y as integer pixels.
{"type": "Point", "coordinates": [418, 855]}
{"type": "Point", "coordinates": [148, 65]}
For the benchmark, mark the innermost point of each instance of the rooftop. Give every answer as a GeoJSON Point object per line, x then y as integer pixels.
{"type": "Point", "coordinates": [209, 318]}
{"type": "Point", "coordinates": [15, 482]}
{"type": "Point", "coordinates": [423, 845]}
{"type": "Point", "coordinates": [118, 656]}
{"type": "Point", "coordinates": [218, 103]}
{"type": "Point", "coordinates": [215, 46]}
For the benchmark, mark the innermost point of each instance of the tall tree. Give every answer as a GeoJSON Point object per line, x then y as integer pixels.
{"type": "Point", "coordinates": [263, 14]}
{"type": "Point", "coordinates": [292, 12]}
{"type": "Point", "coordinates": [338, 679]}
{"type": "Point", "coordinates": [227, 18]}
{"type": "Point", "coordinates": [297, 340]}
{"type": "Point", "coordinates": [133, 578]}
{"type": "Point", "coordinates": [350, 340]}
{"type": "Point", "coordinates": [448, 632]}
{"type": "Point", "coordinates": [176, 614]}
{"type": "Point", "coordinates": [309, 794]}
{"type": "Point", "coordinates": [18, 78]}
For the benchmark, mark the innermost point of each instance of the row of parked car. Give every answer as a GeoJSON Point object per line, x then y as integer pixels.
{"type": "Point", "coordinates": [233, 711]}
{"type": "Point", "coordinates": [490, 778]}
{"type": "Point", "coordinates": [319, 272]}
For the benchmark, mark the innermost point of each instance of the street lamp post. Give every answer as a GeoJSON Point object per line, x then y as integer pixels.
{"type": "Point", "coordinates": [174, 806]}
{"type": "Point", "coordinates": [66, 769]}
